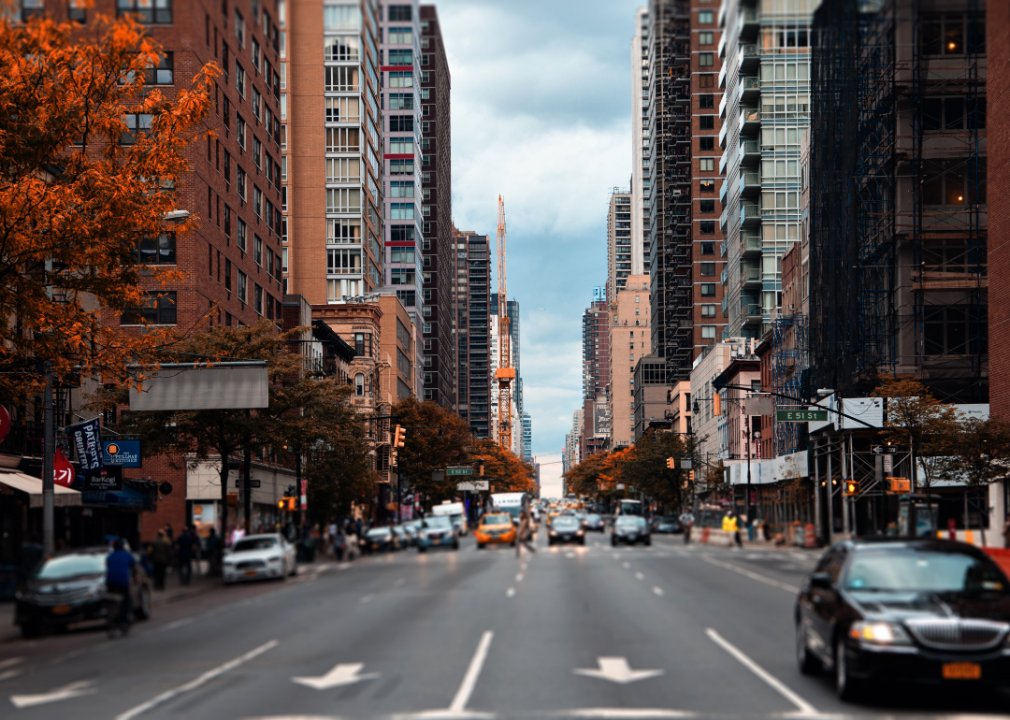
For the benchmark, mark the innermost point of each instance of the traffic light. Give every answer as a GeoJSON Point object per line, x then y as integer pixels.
{"type": "Point", "coordinates": [399, 436]}
{"type": "Point", "coordinates": [717, 404]}
{"type": "Point", "coordinates": [480, 470]}
{"type": "Point", "coordinates": [669, 463]}
{"type": "Point", "coordinates": [692, 476]}
{"type": "Point", "coordinates": [899, 485]}
{"type": "Point", "coordinates": [851, 488]}
{"type": "Point", "coordinates": [282, 503]}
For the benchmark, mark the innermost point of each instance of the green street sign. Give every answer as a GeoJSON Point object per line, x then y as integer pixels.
{"type": "Point", "coordinates": [459, 471]}
{"type": "Point", "coordinates": [801, 415]}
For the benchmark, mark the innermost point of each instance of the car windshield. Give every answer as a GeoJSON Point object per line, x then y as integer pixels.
{"type": "Point", "coordinates": [630, 521]}
{"type": "Point", "coordinates": [254, 544]}
{"type": "Point", "coordinates": [922, 570]}
{"type": "Point", "coordinates": [376, 532]}
{"type": "Point", "coordinates": [71, 565]}
{"type": "Point", "coordinates": [592, 518]}
{"type": "Point", "coordinates": [439, 522]}
{"type": "Point", "coordinates": [565, 521]}
{"type": "Point", "coordinates": [495, 520]}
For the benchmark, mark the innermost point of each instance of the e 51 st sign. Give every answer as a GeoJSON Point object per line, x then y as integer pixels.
{"type": "Point", "coordinates": [801, 415]}
{"type": "Point", "coordinates": [459, 471]}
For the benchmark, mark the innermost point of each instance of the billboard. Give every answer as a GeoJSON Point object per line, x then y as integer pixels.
{"type": "Point", "coordinates": [228, 386]}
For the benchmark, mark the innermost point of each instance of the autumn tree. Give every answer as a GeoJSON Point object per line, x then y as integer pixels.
{"type": "Point", "coordinates": [585, 477]}
{"type": "Point", "coordinates": [980, 452]}
{"type": "Point", "coordinates": [505, 471]}
{"type": "Point", "coordinates": [646, 468]}
{"type": "Point", "coordinates": [436, 438]}
{"type": "Point", "coordinates": [79, 190]}
{"type": "Point", "coordinates": [306, 412]}
{"type": "Point", "coordinates": [920, 422]}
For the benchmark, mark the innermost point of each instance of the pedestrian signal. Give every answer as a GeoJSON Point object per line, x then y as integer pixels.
{"type": "Point", "coordinates": [399, 436]}
{"type": "Point", "coordinates": [669, 463]}
{"type": "Point", "coordinates": [281, 504]}
{"type": "Point", "coordinates": [899, 485]}
{"type": "Point", "coordinates": [692, 476]}
{"type": "Point", "coordinates": [717, 404]}
{"type": "Point", "coordinates": [851, 487]}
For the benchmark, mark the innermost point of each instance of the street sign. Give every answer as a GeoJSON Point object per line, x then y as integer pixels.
{"type": "Point", "coordinates": [801, 415]}
{"type": "Point", "coordinates": [877, 449]}
{"type": "Point", "coordinates": [473, 485]}
{"type": "Point", "coordinates": [459, 471]}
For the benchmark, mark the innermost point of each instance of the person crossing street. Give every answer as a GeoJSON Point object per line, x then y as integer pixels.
{"type": "Point", "coordinates": [730, 525]}
{"type": "Point", "coordinates": [686, 523]}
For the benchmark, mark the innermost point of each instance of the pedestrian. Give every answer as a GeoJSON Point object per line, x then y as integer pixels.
{"type": "Point", "coordinates": [161, 558]}
{"type": "Point", "coordinates": [169, 533]}
{"type": "Point", "coordinates": [331, 537]}
{"type": "Point", "coordinates": [730, 525]}
{"type": "Point", "coordinates": [213, 545]}
{"type": "Point", "coordinates": [28, 558]}
{"type": "Point", "coordinates": [119, 566]}
{"type": "Point", "coordinates": [686, 523]}
{"type": "Point", "coordinates": [524, 533]}
{"type": "Point", "coordinates": [186, 548]}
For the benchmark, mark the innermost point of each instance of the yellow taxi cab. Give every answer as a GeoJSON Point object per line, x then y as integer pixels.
{"type": "Point", "coordinates": [495, 529]}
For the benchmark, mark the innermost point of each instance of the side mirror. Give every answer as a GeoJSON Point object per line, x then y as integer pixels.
{"type": "Point", "coordinates": [821, 581]}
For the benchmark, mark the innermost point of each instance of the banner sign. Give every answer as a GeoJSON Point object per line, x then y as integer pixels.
{"type": "Point", "coordinates": [103, 483]}
{"type": "Point", "coordinates": [5, 422]}
{"type": "Point", "coordinates": [63, 469]}
{"type": "Point", "coordinates": [123, 453]}
{"type": "Point", "coordinates": [88, 443]}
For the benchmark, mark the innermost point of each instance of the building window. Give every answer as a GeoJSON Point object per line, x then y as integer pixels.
{"type": "Point", "coordinates": [708, 289]}
{"type": "Point", "coordinates": [706, 206]}
{"type": "Point", "coordinates": [343, 200]}
{"type": "Point", "coordinates": [152, 12]}
{"type": "Point", "coordinates": [401, 146]}
{"type": "Point", "coordinates": [399, 13]}
{"type": "Point", "coordinates": [400, 36]}
{"type": "Point", "coordinates": [401, 79]}
{"type": "Point", "coordinates": [708, 331]}
{"type": "Point", "coordinates": [708, 311]}
{"type": "Point", "coordinates": [706, 122]}
{"type": "Point", "coordinates": [708, 269]}
{"type": "Point", "coordinates": [341, 17]}
{"type": "Point", "coordinates": [401, 57]}
{"type": "Point", "coordinates": [159, 310]}
{"type": "Point", "coordinates": [708, 248]}
{"type": "Point", "coordinates": [706, 186]}
{"type": "Point", "coordinates": [706, 101]}
{"type": "Point", "coordinates": [706, 165]}
{"type": "Point", "coordinates": [401, 211]}
{"type": "Point", "coordinates": [706, 59]}
{"type": "Point", "coordinates": [157, 251]}
{"type": "Point", "coordinates": [952, 33]}
{"type": "Point", "coordinates": [705, 38]}
{"type": "Point", "coordinates": [359, 384]}
{"type": "Point", "coordinates": [707, 227]}
{"type": "Point", "coordinates": [401, 101]}
{"type": "Point", "coordinates": [953, 113]}
{"type": "Point", "coordinates": [706, 143]}
{"type": "Point", "coordinates": [950, 182]}
{"type": "Point", "coordinates": [706, 17]}
{"type": "Point", "coordinates": [955, 330]}
{"type": "Point", "coordinates": [706, 81]}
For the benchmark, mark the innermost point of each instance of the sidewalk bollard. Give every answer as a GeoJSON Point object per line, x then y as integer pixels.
{"type": "Point", "coordinates": [810, 536]}
{"type": "Point", "coordinates": [704, 535]}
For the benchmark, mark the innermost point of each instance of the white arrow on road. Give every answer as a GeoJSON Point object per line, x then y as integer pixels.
{"type": "Point", "coordinates": [343, 674]}
{"type": "Point", "coordinates": [64, 693]}
{"type": "Point", "coordinates": [616, 669]}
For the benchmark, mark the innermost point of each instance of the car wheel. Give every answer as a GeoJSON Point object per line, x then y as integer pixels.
{"type": "Point", "coordinates": [455, 545]}
{"type": "Point", "coordinates": [846, 687]}
{"type": "Point", "coordinates": [613, 542]}
{"type": "Point", "coordinates": [143, 609]}
{"type": "Point", "coordinates": [582, 542]}
{"type": "Point", "coordinates": [422, 548]}
{"type": "Point", "coordinates": [294, 569]}
{"type": "Point", "coordinates": [807, 662]}
{"type": "Point", "coordinates": [513, 543]}
{"type": "Point", "coordinates": [30, 630]}
{"type": "Point", "coordinates": [480, 546]}
{"type": "Point", "coordinates": [648, 542]}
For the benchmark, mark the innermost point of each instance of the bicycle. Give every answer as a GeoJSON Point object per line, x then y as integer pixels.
{"type": "Point", "coordinates": [114, 615]}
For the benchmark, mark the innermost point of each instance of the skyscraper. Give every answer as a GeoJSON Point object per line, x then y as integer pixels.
{"type": "Point", "coordinates": [640, 179]}
{"type": "Point", "coordinates": [473, 338]}
{"type": "Point", "coordinates": [619, 243]}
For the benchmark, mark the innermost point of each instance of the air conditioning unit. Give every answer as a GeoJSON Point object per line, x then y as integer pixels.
{"type": "Point", "coordinates": [676, 193]}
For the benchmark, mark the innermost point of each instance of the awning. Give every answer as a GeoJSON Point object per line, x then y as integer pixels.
{"type": "Point", "coordinates": [127, 498]}
{"type": "Point", "coordinates": [33, 486]}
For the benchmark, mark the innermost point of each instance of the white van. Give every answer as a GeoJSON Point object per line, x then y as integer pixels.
{"type": "Point", "coordinates": [512, 503]}
{"type": "Point", "coordinates": [455, 511]}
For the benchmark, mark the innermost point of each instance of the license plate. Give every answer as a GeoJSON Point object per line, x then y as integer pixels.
{"type": "Point", "coordinates": [962, 671]}
{"type": "Point", "coordinates": [250, 573]}
{"type": "Point", "coordinates": [62, 609]}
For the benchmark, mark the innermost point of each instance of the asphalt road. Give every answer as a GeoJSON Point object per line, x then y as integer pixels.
{"type": "Point", "coordinates": [665, 631]}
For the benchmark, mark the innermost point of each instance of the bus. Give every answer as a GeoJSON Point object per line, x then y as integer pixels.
{"type": "Point", "coordinates": [512, 503]}
{"type": "Point", "coordinates": [629, 507]}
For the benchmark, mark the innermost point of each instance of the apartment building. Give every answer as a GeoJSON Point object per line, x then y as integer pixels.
{"type": "Point", "coordinates": [438, 263]}
{"type": "Point", "coordinates": [619, 243]}
{"type": "Point", "coordinates": [330, 130]}
{"type": "Point", "coordinates": [640, 176]}
{"type": "Point", "coordinates": [630, 340]}
{"type": "Point", "coordinates": [708, 169]}
{"type": "Point", "coordinates": [595, 373]}
{"type": "Point", "coordinates": [473, 295]}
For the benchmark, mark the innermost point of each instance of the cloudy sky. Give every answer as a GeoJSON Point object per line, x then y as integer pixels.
{"type": "Point", "coordinates": [541, 114]}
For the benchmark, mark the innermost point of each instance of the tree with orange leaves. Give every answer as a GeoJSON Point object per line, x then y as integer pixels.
{"type": "Point", "coordinates": [79, 190]}
{"type": "Point", "coordinates": [506, 472]}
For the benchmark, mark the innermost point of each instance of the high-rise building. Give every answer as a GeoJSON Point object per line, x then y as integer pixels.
{"type": "Point", "coordinates": [329, 128]}
{"type": "Point", "coordinates": [707, 165]}
{"type": "Point", "coordinates": [436, 215]}
{"type": "Point", "coordinates": [400, 100]}
{"type": "Point", "coordinates": [528, 441]}
{"type": "Point", "coordinates": [766, 83]}
{"type": "Point", "coordinates": [473, 331]}
{"type": "Point", "coordinates": [670, 159]}
{"type": "Point", "coordinates": [998, 101]}
{"type": "Point", "coordinates": [630, 340]}
{"type": "Point", "coordinates": [619, 243]}
{"type": "Point", "coordinates": [595, 374]}
{"type": "Point", "coordinates": [512, 308]}
{"type": "Point", "coordinates": [640, 179]}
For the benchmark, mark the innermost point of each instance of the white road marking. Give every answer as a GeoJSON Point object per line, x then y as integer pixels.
{"type": "Point", "coordinates": [616, 556]}
{"type": "Point", "coordinates": [178, 623]}
{"type": "Point", "coordinates": [8, 674]}
{"type": "Point", "coordinates": [342, 674]}
{"type": "Point", "coordinates": [10, 661]}
{"type": "Point", "coordinates": [639, 576]}
{"type": "Point", "coordinates": [519, 577]}
{"type": "Point", "coordinates": [194, 684]}
{"type": "Point", "coordinates": [657, 590]}
{"type": "Point", "coordinates": [511, 592]}
{"type": "Point", "coordinates": [626, 565]}
{"type": "Point", "coordinates": [367, 599]}
{"type": "Point", "coordinates": [644, 713]}
{"type": "Point", "coordinates": [617, 670]}
{"type": "Point", "coordinates": [752, 575]}
{"type": "Point", "coordinates": [570, 555]}
{"type": "Point", "coordinates": [63, 693]}
{"type": "Point", "coordinates": [802, 705]}
{"type": "Point", "coordinates": [472, 673]}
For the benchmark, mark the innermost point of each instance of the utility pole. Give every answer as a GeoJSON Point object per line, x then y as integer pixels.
{"type": "Point", "coordinates": [247, 493]}
{"type": "Point", "coordinates": [48, 472]}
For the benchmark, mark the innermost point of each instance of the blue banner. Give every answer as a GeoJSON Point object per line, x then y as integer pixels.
{"type": "Point", "coordinates": [123, 453]}
{"type": "Point", "coordinates": [88, 443]}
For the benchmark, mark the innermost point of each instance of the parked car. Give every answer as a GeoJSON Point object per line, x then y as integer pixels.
{"type": "Point", "coordinates": [380, 539]}
{"type": "Point", "coordinates": [594, 523]}
{"type": "Point", "coordinates": [256, 557]}
{"type": "Point", "coordinates": [666, 525]}
{"type": "Point", "coordinates": [566, 528]}
{"type": "Point", "coordinates": [402, 537]}
{"type": "Point", "coordinates": [413, 528]}
{"type": "Point", "coordinates": [630, 530]}
{"type": "Point", "coordinates": [70, 588]}
{"type": "Point", "coordinates": [495, 529]}
{"type": "Point", "coordinates": [911, 610]}
{"type": "Point", "coordinates": [437, 531]}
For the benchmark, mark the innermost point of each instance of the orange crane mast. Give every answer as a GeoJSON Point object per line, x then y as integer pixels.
{"type": "Point", "coordinates": [506, 373]}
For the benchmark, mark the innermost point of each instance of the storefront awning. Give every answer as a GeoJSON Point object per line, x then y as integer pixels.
{"type": "Point", "coordinates": [33, 486]}
{"type": "Point", "coordinates": [125, 498]}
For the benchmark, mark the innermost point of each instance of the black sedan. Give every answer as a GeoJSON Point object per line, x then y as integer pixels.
{"type": "Point", "coordinates": [566, 528]}
{"type": "Point", "coordinates": [630, 530]}
{"type": "Point", "coordinates": [381, 539]}
{"type": "Point", "coordinates": [594, 523]}
{"type": "Point", "coordinates": [666, 525]}
{"type": "Point", "coordinates": [928, 611]}
{"type": "Point", "coordinates": [70, 588]}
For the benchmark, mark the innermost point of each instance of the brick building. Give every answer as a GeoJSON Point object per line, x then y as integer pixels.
{"type": "Point", "coordinates": [998, 115]}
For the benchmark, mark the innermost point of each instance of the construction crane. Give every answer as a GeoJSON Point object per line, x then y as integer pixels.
{"type": "Point", "coordinates": [506, 373]}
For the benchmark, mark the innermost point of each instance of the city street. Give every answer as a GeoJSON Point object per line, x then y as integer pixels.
{"type": "Point", "coordinates": [664, 631]}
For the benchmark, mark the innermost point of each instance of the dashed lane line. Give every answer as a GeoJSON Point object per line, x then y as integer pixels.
{"type": "Point", "coordinates": [658, 591]}
{"type": "Point", "coordinates": [752, 575]}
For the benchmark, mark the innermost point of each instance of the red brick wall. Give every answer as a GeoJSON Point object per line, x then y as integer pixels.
{"type": "Point", "coordinates": [998, 132]}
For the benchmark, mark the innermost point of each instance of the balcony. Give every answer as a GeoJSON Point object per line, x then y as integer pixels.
{"type": "Point", "coordinates": [723, 250]}
{"type": "Point", "coordinates": [722, 46]}
{"type": "Point", "coordinates": [749, 23]}
{"type": "Point", "coordinates": [722, 135]}
{"type": "Point", "coordinates": [751, 313]}
{"type": "Point", "coordinates": [722, 106]}
{"type": "Point", "coordinates": [750, 120]}
{"type": "Point", "coordinates": [722, 77]}
{"type": "Point", "coordinates": [750, 277]}
{"type": "Point", "coordinates": [749, 58]}
{"type": "Point", "coordinates": [723, 189]}
{"type": "Point", "coordinates": [750, 89]}
{"type": "Point", "coordinates": [750, 215]}
{"type": "Point", "coordinates": [750, 184]}
{"type": "Point", "coordinates": [723, 219]}
{"type": "Point", "coordinates": [750, 244]}
{"type": "Point", "coordinates": [723, 159]}
{"type": "Point", "coordinates": [750, 151]}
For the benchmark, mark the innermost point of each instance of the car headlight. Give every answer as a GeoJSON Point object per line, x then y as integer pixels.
{"type": "Point", "coordinates": [95, 590]}
{"type": "Point", "coordinates": [554, 533]}
{"type": "Point", "coordinates": [579, 531]}
{"type": "Point", "coordinates": [879, 633]}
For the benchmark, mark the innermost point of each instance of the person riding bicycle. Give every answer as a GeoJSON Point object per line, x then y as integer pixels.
{"type": "Point", "coordinates": [119, 566]}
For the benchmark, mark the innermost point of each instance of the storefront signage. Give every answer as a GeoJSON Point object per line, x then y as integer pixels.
{"type": "Point", "coordinates": [122, 453]}
{"type": "Point", "coordinates": [88, 443]}
{"type": "Point", "coordinates": [63, 469]}
{"type": "Point", "coordinates": [801, 415]}
{"type": "Point", "coordinates": [103, 483]}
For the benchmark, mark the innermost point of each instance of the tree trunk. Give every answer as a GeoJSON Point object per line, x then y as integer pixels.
{"type": "Point", "coordinates": [223, 473]}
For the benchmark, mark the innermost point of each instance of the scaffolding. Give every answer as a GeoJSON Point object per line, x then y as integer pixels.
{"type": "Point", "coordinates": [789, 363]}
{"type": "Point", "coordinates": [898, 270]}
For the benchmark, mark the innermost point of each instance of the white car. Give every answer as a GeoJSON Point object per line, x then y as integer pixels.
{"type": "Point", "coordinates": [259, 556]}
